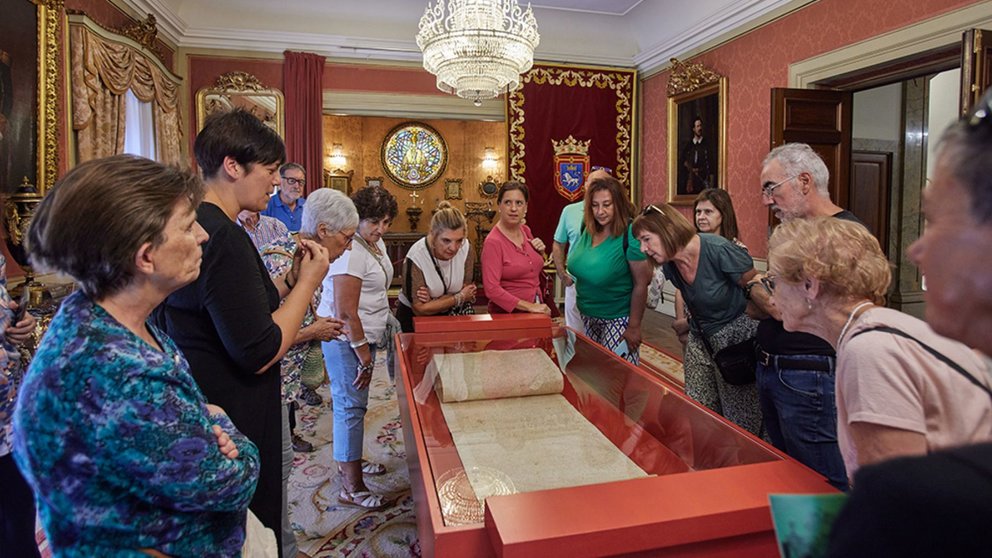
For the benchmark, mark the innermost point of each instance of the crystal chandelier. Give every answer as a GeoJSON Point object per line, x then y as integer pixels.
{"type": "Point", "coordinates": [480, 48]}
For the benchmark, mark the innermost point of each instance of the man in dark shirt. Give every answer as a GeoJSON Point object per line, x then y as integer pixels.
{"type": "Point", "coordinates": [697, 172]}
{"type": "Point", "coordinates": [796, 370]}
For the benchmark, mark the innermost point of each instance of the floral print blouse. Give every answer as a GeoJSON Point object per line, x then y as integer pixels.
{"type": "Point", "coordinates": [115, 439]}
{"type": "Point", "coordinates": [278, 257]}
{"type": "Point", "coordinates": [10, 365]}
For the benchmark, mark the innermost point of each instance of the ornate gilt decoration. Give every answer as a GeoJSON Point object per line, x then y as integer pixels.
{"type": "Point", "coordinates": [571, 145]}
{"type": "Point", "coordinates": [239, 81]}
{"type": "Point", "coordinates": [687, 77]}
{"type": "Point", "coordinates": [145, 33]}
{"type": "Point", "coordinates": [49, 30]}
{"type": "Point", "coordinates": [620, 80]}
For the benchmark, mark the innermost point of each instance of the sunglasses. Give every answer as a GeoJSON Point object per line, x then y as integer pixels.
{"type": "Point", "coordinates": [608, 170]}
{"type": "Point", "coordinates": [648, 209]}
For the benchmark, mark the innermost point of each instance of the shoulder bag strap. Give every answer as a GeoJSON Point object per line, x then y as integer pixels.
{"type": "Point", "coordinates": [937, 354]}
{"type": "Point", "coordinates": [692, 317]}
{"type": "Point", "coordinates": [364, 244]}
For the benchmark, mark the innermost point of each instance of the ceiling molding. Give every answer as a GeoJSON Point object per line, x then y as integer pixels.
{"type": "Point", "coordinates": [278, 41]}
{"type": "Point", "coordinates": [716, 29]}
{"type": "Point", "coordinates": [539, 5]}
{"type": "Point", "coordinates": [401, 105]}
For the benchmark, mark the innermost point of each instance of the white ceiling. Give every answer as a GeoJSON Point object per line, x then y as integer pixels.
{"type": "Point", "coordinates": [638, 33]}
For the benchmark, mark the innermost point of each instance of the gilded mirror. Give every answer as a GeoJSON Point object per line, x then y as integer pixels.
{"type": "Point", "coordinates": [241, 90]}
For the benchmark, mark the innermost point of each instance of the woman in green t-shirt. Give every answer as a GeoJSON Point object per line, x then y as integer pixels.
{"type": "Point", "coordinates": [611, 273]}
{"type": "Point", "coordinates": [711, 272]}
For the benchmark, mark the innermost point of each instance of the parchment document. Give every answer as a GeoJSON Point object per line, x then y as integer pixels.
{"type": "Point", "coordinates": [539, 441]}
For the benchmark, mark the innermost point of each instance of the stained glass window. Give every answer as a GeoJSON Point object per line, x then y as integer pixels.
{"type": "Point", "coordinates": [414, 154]}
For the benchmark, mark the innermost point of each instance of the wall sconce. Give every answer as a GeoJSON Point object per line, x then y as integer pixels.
{"type": "Point", "coordinates": [337, 158]}
{"type": "Point", "coordinates": [489, 160]}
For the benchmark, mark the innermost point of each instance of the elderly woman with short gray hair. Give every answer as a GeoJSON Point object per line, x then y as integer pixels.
{"type": "Point", "coordinates": [329, 219]}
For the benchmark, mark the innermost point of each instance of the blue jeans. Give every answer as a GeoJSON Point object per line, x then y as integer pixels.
{"type": "Point", "coordinates": [350, 404]}
{"type": "Point", "coordinates": [800, 412]}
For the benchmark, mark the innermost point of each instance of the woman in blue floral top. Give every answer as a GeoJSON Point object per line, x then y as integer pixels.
{"type": "Point", "coordinates": [120, 446]}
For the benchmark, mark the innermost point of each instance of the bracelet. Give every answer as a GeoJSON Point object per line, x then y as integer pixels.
{"type": "Point", "coordinates": [360, 343]}
{"type": "Point", "coordinates": [285, 279]}
{"type": "Point", "coordinates": [365, 368]}
{"type": "Point", "coordinates": [459, 298]}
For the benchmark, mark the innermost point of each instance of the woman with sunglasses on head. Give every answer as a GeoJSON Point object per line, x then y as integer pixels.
{"type": "Point", "coordinates": [512, 259]}
{"type": "Point", "coordinates": [437, 271]}
{"type": "Point", "coordinates": [611, 274]}
{"type": "Point", "coordinates": [714, 214]}
{"type": "Point", "coordinates": [711, 273]}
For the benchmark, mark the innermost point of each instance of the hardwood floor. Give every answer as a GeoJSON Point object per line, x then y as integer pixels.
{"type": "Point", "coordinates": [657, 330]}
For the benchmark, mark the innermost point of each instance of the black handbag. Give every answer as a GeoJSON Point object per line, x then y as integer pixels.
{"type": "Point", "coordinates": [737, 362]}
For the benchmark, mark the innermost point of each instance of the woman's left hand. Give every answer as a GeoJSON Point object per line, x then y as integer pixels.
{"type": "Point", "coordinates": [22, 330]}
{"type": "Point", "coordinates": [538, 244]}
{"type": "Point", "coordinates": [633, 337]}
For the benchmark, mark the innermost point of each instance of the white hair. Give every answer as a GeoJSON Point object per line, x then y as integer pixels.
{"type": "Point", "coordinates": [797, 158]}
{"type": "Point", "coordinates": [330, 207]}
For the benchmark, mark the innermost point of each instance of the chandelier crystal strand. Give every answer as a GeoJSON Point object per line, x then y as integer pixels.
{"type": "Point", "coordinates": [480, 47]}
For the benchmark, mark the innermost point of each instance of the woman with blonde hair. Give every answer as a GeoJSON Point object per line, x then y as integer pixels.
{"type": "Point", "coordinates": [901, 388]}
{"type": "Point", "coordinates": [437, 272]}
{"type": "Point", "coordinates": [711, 273]}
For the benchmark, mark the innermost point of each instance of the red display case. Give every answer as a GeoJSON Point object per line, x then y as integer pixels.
{"type": "Point", "coordinates": [707, 496]}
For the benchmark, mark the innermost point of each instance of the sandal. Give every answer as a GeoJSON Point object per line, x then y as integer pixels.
{"type": "Point", "coordinates": [370, 468]}
{"type": "Point", "coordinates": [362, 499]}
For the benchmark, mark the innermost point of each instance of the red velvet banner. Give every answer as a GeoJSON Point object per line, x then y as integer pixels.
{"type": "Point", "coordinates": [558, 104]}
{"type": "Point", "coordinates": [302, 77]}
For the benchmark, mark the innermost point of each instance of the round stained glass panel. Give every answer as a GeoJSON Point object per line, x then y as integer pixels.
{"type": "Point", "coordinates": [414, 155]}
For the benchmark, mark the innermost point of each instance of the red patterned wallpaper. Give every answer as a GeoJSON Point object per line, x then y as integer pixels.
{"type": "Point", "coordinates": [753, 64]}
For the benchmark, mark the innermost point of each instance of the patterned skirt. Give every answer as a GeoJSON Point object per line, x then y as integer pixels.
{"type": "Point", "coordinates": [609, 333]}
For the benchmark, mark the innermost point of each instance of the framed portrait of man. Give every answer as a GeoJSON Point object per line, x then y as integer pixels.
{"type": "Point", "coordinates": [697, 147]}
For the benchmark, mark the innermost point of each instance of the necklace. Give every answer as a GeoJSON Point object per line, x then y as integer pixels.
{"type": "Point", "coordinates": [850, 318]}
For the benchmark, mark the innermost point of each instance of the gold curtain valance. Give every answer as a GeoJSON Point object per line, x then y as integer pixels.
{"type": "Point", "coordinates": [102, 71]}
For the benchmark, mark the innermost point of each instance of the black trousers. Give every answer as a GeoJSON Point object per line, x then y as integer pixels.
{"type": "Point", "coordinates": [16, 513]}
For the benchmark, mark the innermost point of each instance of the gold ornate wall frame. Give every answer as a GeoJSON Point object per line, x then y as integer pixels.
{"type": "Point", "coordinates": [696, 161]}
{"type": "Point", "coordinates": [241, 89]}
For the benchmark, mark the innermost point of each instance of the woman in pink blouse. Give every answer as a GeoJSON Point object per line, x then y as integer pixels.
{"type": "Point", "coordinates": [512, 259]}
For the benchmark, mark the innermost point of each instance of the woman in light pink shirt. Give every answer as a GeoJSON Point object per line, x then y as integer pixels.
{"type": "Point", "coordinates": [512, 258]}
{"type": "Point", "coordinates": [901, 389]}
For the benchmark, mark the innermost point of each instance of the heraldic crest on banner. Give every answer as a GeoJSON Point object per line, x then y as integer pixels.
{"type": "Point", "coordinates": [571, 166]}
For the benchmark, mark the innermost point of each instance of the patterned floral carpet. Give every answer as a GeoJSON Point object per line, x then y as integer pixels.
{"type": "Point", "coordinates": [325, 528]}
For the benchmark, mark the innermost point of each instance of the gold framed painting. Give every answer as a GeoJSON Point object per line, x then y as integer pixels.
{"type": "Point", "coordinates": [697, 133]}
{"type": "Point", "coordinates": [453, 189]}
{"type": "Point", "coordinates": [339, 180]}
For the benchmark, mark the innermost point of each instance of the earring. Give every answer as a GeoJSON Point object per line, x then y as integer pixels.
{"type": "Point", "coordinates": [809, 304]}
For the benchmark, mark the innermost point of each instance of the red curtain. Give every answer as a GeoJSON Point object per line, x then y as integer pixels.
{"type": "Point", "coordinates": [302, 77]}
{"type": "Point", "coordinates": [555, 102]}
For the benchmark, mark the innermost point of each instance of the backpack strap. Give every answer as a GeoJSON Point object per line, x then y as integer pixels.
{"type": "Point", "coordinates": [936, 354]}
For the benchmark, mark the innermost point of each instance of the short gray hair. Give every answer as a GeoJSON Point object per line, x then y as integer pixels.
{"type": "Point", "coordinates": [797, 158]}
{"type": "Point", "coordinates": [964, 152]}
{"type": "Point", "coordinates": [291, 166]}
{"type": "Point", "coordinates": [330, 207]}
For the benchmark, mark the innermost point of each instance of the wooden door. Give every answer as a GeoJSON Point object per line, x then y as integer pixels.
{"type": "Point", "coordinates": [822, 119]}
{"type": "Point", "coordinates": [976, 67]}
{"type": "Point", "coordinates": [871, 183]}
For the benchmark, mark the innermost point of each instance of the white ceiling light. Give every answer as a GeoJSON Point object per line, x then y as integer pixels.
{"type": "Point", "coordinates": [480, 48]}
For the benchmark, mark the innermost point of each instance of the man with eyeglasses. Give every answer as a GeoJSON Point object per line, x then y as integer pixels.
{"type": "Point", "coordinates": [287, 203]}
{"type": "Point", "coordinates": [795, 372]}
{"type": "Point", "coordinates": [567, 234]}
{"type": "Point", "coordinates": [939, 505]}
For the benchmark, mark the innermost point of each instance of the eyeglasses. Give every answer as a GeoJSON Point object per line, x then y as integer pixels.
{"type": "Point", "coordinates": [767, 189]}
{"type": "Point", "coordinates": [608, 170]}
{"type": "Point", "coordinates": [768, 282]}
{"type": "Point", "coordinates": [348, 237]}
{"type": "Point", "coordinates": [294, 181]}
{"type": "Point", "coordinates": [650, 208]}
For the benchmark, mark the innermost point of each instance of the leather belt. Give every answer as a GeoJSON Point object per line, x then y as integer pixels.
{"type": "Point", "coordinates": [793, 362]}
